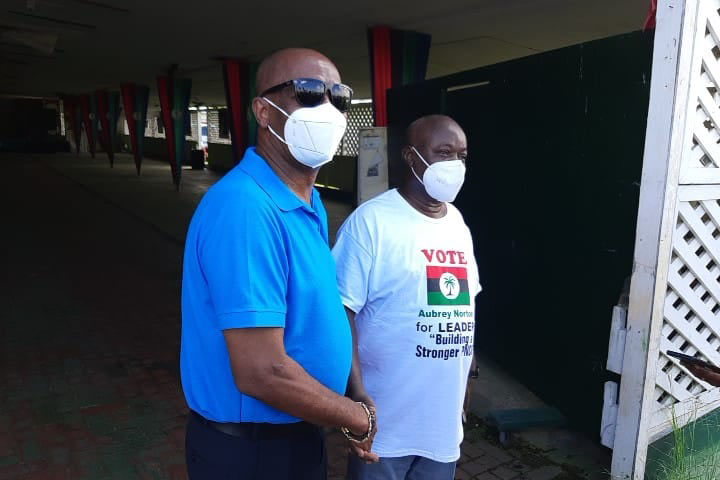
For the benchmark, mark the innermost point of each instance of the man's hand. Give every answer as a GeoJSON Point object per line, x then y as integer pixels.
{"type": "Point", "coordinates": [356, 391]}
{"type": "Point", "coordinates": [364, 450]}
{"type": "Point", "coordinates": [703, 373]}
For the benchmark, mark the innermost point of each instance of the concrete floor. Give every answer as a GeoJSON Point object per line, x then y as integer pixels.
{"type": "Point", "coordinates": [90, 323]}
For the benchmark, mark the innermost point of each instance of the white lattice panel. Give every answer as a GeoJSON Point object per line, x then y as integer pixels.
{"type": "Point", "coordinates": [691, 322]}
{"type": "Point", "coordinates": [360, 116]}
{"type": "Point", "coordinates": [701, 156]}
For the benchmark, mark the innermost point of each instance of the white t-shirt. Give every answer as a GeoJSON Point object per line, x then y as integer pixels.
{"type": "Point", "coordinates": [412, 281]}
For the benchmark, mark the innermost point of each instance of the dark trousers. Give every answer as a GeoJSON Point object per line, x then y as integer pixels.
{"type": "Point", "coordinates": [262, 454]}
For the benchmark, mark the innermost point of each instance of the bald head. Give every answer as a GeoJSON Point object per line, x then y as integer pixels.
{"type": "Point", "coordinates": [422, 130]}
{"type": "Point", "coordinates": [291, 63]}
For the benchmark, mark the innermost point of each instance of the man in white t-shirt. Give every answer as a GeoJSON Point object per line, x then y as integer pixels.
{"type": "Point", "coordinates": [408, 280]}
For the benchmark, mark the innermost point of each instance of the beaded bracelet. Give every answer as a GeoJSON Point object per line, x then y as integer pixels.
{"type": "Point", "coordinates": [371, 426]}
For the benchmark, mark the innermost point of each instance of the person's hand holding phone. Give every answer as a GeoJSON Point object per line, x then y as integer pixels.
{"type": "Point", "coordinates": [703, 373]}
{"type": "Point", "coordinates": [699, 368]}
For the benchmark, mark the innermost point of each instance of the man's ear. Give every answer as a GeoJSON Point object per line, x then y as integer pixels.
{"type": "Point", "coordinates": [408, 156]}
{"type": "Point", "coordinates": [261, 109]}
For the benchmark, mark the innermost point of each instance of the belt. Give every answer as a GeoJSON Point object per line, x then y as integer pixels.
{"type": "Point", "coordinates": [250, 430]}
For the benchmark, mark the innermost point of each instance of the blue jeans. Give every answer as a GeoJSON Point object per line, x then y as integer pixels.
{"type": "Point", "coordinates": [411, 467]}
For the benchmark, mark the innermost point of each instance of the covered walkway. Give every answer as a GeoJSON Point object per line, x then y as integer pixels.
{"type": "Point", "coordinates": [89, 338]}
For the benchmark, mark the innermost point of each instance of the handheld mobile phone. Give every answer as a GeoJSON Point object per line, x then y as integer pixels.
{"type": "Point", "coordinates": [692, 360]}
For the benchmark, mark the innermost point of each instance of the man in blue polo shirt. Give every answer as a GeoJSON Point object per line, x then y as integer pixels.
{"type": "Point", "coordinates": [266, 347]}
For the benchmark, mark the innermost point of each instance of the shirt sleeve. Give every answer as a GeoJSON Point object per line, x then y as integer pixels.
{"type": "Point", "coordinates": [243, 259]}
{"type": "Point", "coordinates": [354, 264]}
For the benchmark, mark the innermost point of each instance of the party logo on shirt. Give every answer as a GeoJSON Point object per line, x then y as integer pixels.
{"type": "Point", "coordinates": [447, 286]}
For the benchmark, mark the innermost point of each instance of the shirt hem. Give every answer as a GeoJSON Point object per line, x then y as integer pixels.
{"type": "Point", "coordinates": [251, 319]}
{"type": "Point", "coordinates": [419, 453]}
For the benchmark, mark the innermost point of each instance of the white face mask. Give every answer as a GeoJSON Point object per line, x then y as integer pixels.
{"type": "Point", "coordinates": [312, 134]}
{"type": "Point", "coordinates": [442, 180]}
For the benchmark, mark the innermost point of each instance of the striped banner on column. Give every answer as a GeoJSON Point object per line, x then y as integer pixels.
{"type": "Point", "coordinates": [397, 58]}
{"type": "Point", "coordinates": [235, 74]}
{"type": "Point", "coordinates": [165, 93]}
{"type": "Point", "coordinates": [239, 77]}
{"type": "Point", "coordinates": [108, 111]}
{"type": "Point", "coordinates": [181, 118]}
{"type": "Point", "coordinates": [174, 96]}
{"type": "Point", "coordinates": [135, 102]}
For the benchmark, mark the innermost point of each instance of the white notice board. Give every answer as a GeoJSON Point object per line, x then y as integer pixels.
{"type": "Point", "coordinates": [372, 164]}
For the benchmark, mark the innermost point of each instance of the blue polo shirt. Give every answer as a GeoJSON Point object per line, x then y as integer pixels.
{"type": "Point", "coordinates": [256, 255]}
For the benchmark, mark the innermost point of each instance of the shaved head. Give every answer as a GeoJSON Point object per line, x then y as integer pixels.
{"type": "Point", "coordinates": [421, 130]}
{"type": "Point", "coordinates": [291, 63]}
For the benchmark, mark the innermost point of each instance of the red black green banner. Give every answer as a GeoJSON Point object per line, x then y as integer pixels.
{"type": "Point", "coordinates": [397, 58]}
{"type": "Point", "coordinates": [174, 96]}
{"type": "Point", "coordinates": [239, 78]}
{"type": "Point", "coordinates": [235, 74]}
{"type": "Point", "coordinates": [135, 103]}
{"type": "Point", "coordinates": [447, 286]}
{"type": "Point", "coordinates": [181, 117]}
{"type": "Point", "coordinates": [380, 71]}
{"type": "Point", "coordinates": [108, 111]}
{"type": "Point", "coordinates": [165, 94]}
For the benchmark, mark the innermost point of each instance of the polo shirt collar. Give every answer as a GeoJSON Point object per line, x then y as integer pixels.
{"type": "Point", "coordinates": [285, 199]}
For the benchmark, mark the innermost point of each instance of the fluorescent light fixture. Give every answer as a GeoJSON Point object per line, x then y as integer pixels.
{"type": "Point", "coordinates": [192, 108]}
{"type": "Point", "coordinates": [455, 88]}
{"type": "Point", "coordinates": [361, 100]}
{"type": "Point", "coordinates": [203, 107]}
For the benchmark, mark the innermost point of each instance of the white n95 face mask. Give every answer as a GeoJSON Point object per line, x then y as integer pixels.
{"type": "Point", "coordinates": [442, 180]}
{"type": "Point", "coordinates": [312, 134]}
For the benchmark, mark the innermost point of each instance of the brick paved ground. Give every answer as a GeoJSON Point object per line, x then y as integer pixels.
{"type": "Point", "coordinates": [89, 339]}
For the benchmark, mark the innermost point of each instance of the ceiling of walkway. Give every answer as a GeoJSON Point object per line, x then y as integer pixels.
{"type": "Point", "coordinates": [75, 46]}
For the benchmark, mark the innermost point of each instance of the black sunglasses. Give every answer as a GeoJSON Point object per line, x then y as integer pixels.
{"type": "Point", "coordinates": [310, 92]}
